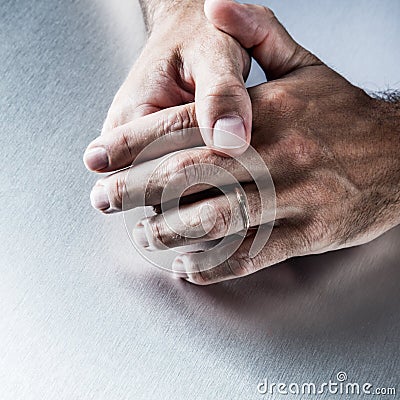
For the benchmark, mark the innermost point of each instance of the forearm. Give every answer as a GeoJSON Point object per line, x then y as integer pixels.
{"type": "Point", "coordinates": [394, 123]}
{"type": "Point", "coordinates": [388, 127]}
{"type": "Point", "coordinates": [157, 10]}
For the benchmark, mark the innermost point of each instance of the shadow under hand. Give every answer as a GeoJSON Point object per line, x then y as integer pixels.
{"type": "Point", "coordinates": [341, 290]}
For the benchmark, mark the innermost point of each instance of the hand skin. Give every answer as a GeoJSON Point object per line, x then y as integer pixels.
{"type": "Point", "coordinates": [333, 153]}
{"type": "Point", "coordinates": [185, 59]}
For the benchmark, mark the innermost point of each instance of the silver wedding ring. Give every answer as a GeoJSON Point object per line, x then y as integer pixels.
{"type": "Point", "coordinates": [243, 206]}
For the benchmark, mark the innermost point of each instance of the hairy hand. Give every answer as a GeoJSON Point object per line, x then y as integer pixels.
{"type": "Point", "coordinates": [332, 151]}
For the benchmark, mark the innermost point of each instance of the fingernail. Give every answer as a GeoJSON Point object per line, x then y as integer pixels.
{"type": "Point", "coordinates": [96, 158]}
{"type": "Point", "coordinates": [139, 235]}
{"type": "Point", "coordinates": [99, 198]}
{"type": "Point", "coordinates": [229, 133]}
{"type": "Point", "coordinates": [178, 268]}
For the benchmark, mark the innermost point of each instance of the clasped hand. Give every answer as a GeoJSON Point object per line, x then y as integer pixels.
{"type": "Point", "coordinates": [332, 150]}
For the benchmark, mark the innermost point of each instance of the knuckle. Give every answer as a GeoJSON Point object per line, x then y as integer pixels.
{"type": "Point", "coordinates": [191, 175]}
{"type": "Point", "coordinates": [182, 170]}
{"type": "Point", "coordinates": [198, 278]}
{"type": "Point", "coordinates": [186, 161]}
{"type": "Point", "coordinates": [214, 217]}
{"type": "Point", "coordinates": [277, 99]}
{"type": "Point", "coordinates": [187, 166]}
{"type": "Point", "coordinates": [127, 141]}
{"type": "Point", "coordinates": [116, 190]}
{"type": "Point", "coordinates": [302, 151]}
{"type": "Point", "coordinates": [222, 217]}
{"type": "Point", "coordinates": [228, 86]}
{"type": "Point", "coordinates": [197, 274]}
{"type": "Point", "coordinates": [182, 138]}
{"type": "Point", "coordinates": [183, 119]}
{"type": "Point", "coordinates": [269, 13]}
{"type": "Point", "coordinates": [158, 232]}
{"type": "Point", "coordinates": [205, 216]}
{"type": "Point", "coordinates": [241, 264]}
{"type": "Point", "coordinates": [258, 29]}
{"type": "Point", "coordinates": [197, 219]}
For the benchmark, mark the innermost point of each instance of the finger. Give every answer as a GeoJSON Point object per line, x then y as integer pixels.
{"type": "Point", "coordinates": [223, 106]}
{"type": "Point", "coordinates": [257, 28]}
{"type": "Point", "coordinates": [286, 241]}
{"type": "Point", "coordinates": [187, 172]}
{"type": "Point", "coordinates": [161, 180]}
{"type": "Point", "coordinates": [207, 220]}
{"type": "Point", "coordinates": [175, 128]}
{"type": "Point", "coordinates": [147, 89]}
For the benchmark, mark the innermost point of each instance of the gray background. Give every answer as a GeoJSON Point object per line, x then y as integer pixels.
{"type": "Point", "coordinates": [82, 316]}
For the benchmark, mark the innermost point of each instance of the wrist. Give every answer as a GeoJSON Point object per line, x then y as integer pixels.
{"type": "Point", "coordinates": [158, 13]}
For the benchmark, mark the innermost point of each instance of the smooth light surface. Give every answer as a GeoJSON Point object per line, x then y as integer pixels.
{"type": "Point", "coordinates": [82, 316]}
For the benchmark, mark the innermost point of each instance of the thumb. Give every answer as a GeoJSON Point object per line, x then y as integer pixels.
{"type": "Point", "coordinates": [223, 106]}
{"type": "Point", "coordinates": [256, 27]}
